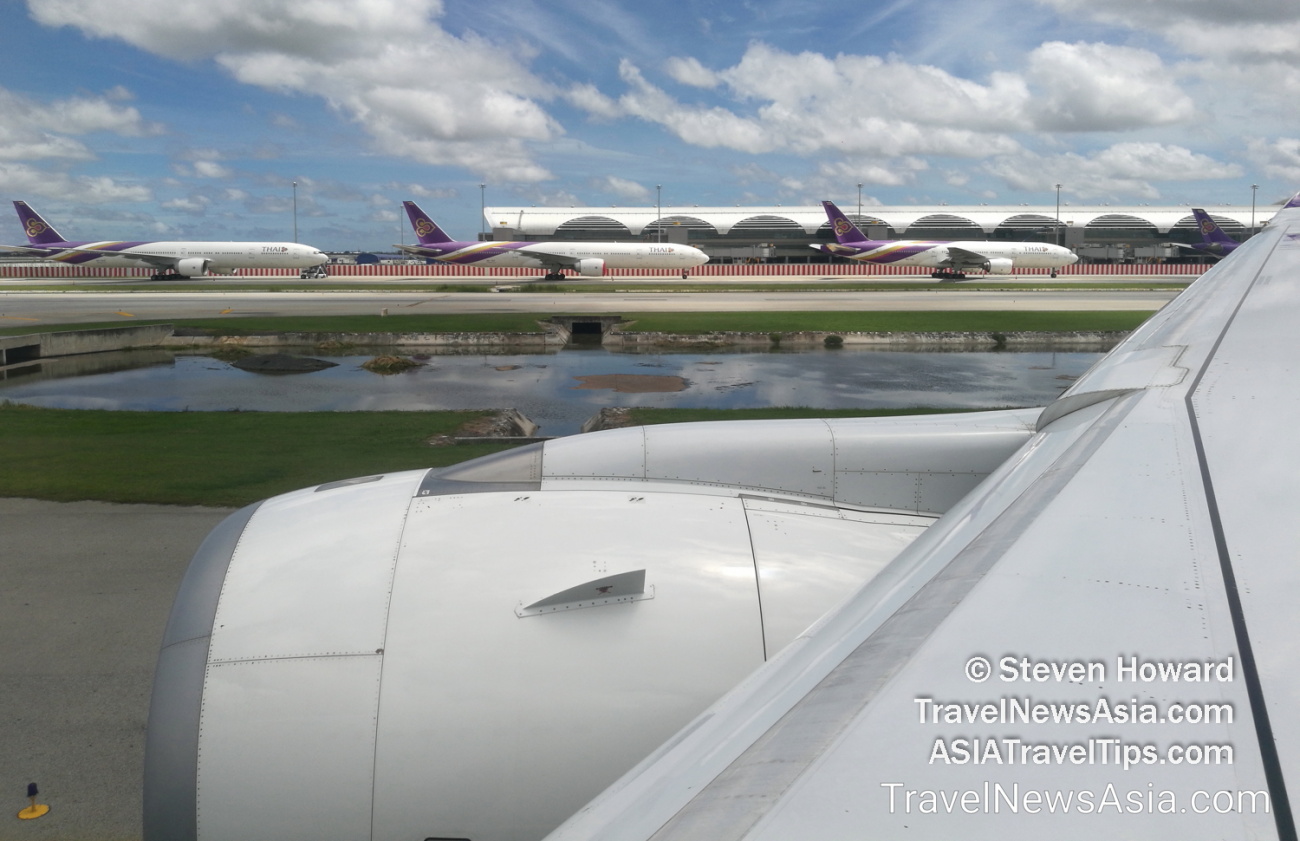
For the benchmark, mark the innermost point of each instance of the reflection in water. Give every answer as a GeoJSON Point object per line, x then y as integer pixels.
{"type": "Point", "coordinates": [547, 388]}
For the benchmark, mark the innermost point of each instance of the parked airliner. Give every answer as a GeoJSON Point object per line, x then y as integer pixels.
{"type": "Point", "coordinates": [950, 260]}
{"type": "Point", "coordinates": [1214, 241]}
{"type": "Point", "coordinates": [172, 259]}
{"type": "Point", "coordinates": [589, 259]}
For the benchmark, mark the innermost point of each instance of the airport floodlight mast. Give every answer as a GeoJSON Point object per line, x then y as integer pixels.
{"type": "Point", "coordinates": [859, 220]}
{"type": "Point", "coordinates": [482, 207]}
{"type": "Point", "coordinates": [659, 213]}
{"type": "Point", "coordinates": [295, 211]}
{"type": "Point", "coordinates": [1056, 232]}
{"type": "Point", "coordinates": [1253, 189]}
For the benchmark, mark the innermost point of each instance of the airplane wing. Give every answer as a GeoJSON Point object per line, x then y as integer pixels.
{"type": "Point", "coordinates": [417, 250]}
{"type": "Point", "coordinates": [22, 249]}
{"type": "Point", "coordinates": [548, 258]}
{"type": "Point", "coordinates": [965, 258]}
{"type": "Point", "coordinates": [1217, 255]}
{"type": "Point", "coordinates": [1098, 642]}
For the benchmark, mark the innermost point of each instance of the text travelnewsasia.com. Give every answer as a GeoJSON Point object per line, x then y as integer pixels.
{"type": "Point", "coordinates": [1024, 710]}
{"type": "Point", "coordinates": [995, 799]}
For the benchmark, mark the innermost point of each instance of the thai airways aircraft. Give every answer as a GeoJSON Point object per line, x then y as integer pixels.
{"type": "Point", "coordinates": [172, 259]}
{"type": "Point", "coordinates": [1214, 241]}
{"type": "Point", "coordinates": [950, 260]}
{"type": "Point", "coordinates": [589, 259]}
{"type": "Point", "coordinates": [1068, 622]}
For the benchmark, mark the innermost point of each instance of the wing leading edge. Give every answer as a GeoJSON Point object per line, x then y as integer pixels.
{"type": "Point", "coordinates": [1096, 642]}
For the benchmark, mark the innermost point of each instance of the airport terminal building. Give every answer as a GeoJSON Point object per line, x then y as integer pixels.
{"type": "Point", "coordinates": [1098, 233]}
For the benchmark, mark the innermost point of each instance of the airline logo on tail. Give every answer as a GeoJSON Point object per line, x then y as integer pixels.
{"type": "Point", "coordinates": [35, 227]}
{"type": "Point", "coordinates": [423, 227]}
{"type": "Point", "coordinates": [842, 226]}
{"type": "Point", "coordinates": [1208, 227]}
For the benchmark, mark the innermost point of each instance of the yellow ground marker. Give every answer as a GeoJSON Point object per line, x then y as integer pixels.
{"type": "Point", "coordinates": [223, 312]}
{"type": "Point", "coordinates": [127, 314]}
{"type": "Point", "coordinates": [36, 809]}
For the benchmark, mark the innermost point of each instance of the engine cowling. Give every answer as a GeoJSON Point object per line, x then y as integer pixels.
{"type": "Point", "coordinates": [192, 266]}
{"type": "Point", "coordinates": [591, 267]}
{"type": "Point", "coordinates": [998, 265]}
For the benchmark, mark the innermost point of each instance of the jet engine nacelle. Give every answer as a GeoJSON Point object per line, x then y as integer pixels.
{"type": "Point", "coordinates": [591, 267]}
{"type": "Point", "coordinates": [192, 267]}
{"type": "Point", "coordinates": [998, 265]}
{"type": "Point", "coordinates": [475, 652]}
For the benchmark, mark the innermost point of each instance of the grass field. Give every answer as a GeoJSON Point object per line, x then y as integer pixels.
{"type": "Point", "coordinates": [234, 458]}
{"type": "Point", "coordinates": [686, 323]}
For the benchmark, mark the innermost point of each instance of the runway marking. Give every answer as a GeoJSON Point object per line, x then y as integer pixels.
{"type": "Point", "coordinates": [226, 310]}
{"type": "Point", "coordinates": [18, 318]}
{"type": "Point", "coordinates": [127, 314]}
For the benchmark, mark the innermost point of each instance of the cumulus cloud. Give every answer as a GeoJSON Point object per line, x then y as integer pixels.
{"type": "Point", "coordinates": [885, 109]}
{"type": "Point", "coordinates": [689, 71]}
{"type": "Point", "coordinates": [1260, 31]}
{"type": "Point", "coordinates": [808, 104]}
{"type": "Point", "coordinates": [33, 130]}
{"type": "Point", "coordinates": [1124, 169]}
{"type": "Point", "coordinates": [1099, 87]}
{"type": "Point", "coordinates": [1279, 159]}
{"type": "Point", "coordinates": [622, 187]}
{"type": "Point", "coordinates": [420, 92]}
{"type": "Point", "coordinates": [18, 179]}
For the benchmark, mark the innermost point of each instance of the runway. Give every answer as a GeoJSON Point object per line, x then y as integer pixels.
{"type": "Point", "coordinates": [39, 308]}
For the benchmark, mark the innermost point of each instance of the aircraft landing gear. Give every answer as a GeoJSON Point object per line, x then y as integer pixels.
{"type": "Point", "coordinates": [554, 276]}
{"type": "Point", "coordinates": [948, 274]}
{"type": "Point", "coordinates": [1053, 272]}
{"type": "Point", "coordinates": [685, 274]}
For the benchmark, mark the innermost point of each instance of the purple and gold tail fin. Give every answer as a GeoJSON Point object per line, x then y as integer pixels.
{"type": "Point", "coordinates": [1210, 230]}
{"type": "Point", "coordinates": [844, 230]}
{"type": "Point", "coordinates": [426, 230]}
{"type": "Point", "coordinates": [37, 229]}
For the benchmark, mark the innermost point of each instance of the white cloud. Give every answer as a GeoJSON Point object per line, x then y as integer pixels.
{"type": "Point", "coordinates": [33, 130]}
{"type": "Point", "coordinates": [622, 187]}
{"type": "Point", "coordinates": [689, 71]}
{"type": "Point", "coordinates": [420, 92]}
{"type": "Point", "coordinates": [17, 179]}
{"type": "Point", "coordinates": [1124, 169]}
{"type": "Point", "coordinates": [1099, 87]}
{"type": "Point", "coordinates": [1279, 159]}
{"type": "Point", "coordinates": [1261, 30]}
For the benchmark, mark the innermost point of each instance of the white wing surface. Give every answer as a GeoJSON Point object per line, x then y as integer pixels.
{"type": "Point", "coordinates": [1097, 642]}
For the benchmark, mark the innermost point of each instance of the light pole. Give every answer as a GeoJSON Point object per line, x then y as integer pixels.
{"type": "Point", "coordinates": [295, 211]}
{"type": "Point", "coordinates": [482, 208]}
{"type": "Point", "coordinates": [1056, 233]}
{"type": "Point", "coordinates": [1253, 189]}
{"type": "Point", "coordinates": [659, 213]}
{"type": "Point", "coordinates": [859, 202]}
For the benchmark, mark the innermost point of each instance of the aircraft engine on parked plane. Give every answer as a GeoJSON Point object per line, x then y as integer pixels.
{"type": "Point", "coordinates": [998, 265]}
{"type": "Point", "coordinates": [591, 267]}
{"type": "Point", "coordinates": [192, 266]}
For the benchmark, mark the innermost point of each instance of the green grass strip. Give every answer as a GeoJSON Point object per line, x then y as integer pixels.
{"type": "Point", "coordinates": [925, 321]}
{"type": "Point", "coordinates": [211, 458]}
{"type": "Point", "coordinates": [687, 323]}
{"type": "Point", "coordinates": [234, 458]}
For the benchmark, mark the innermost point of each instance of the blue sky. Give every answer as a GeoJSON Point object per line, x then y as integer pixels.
{"type": "Point", "coordinates": [132, 119]}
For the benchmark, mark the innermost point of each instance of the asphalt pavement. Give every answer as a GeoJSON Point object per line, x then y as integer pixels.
{"type": "Point", "coordinates": [87, 589]}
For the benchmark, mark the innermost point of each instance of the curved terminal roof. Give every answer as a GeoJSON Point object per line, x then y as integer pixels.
{"type": "Point", "coordinates": [546, 221]}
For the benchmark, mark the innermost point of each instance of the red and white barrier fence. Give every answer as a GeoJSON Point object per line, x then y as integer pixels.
{"type": "Point", "coordinates": [719, 270]}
